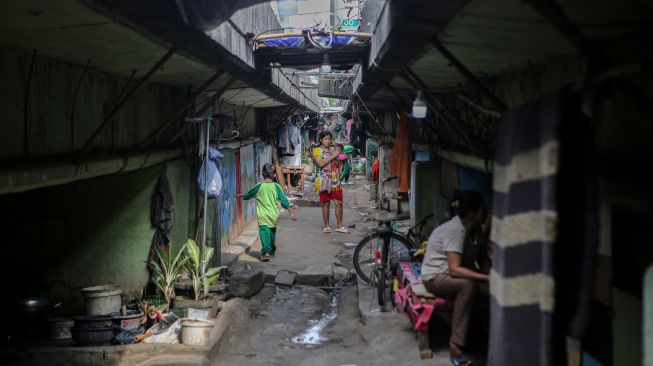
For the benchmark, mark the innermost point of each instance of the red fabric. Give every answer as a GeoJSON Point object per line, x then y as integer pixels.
{"type": "Point", "coordinates": [333, 195]}
{"type": "Point", "coordinates": [402, 154]}
{"type": "Point", "coordinates": [375, 170]}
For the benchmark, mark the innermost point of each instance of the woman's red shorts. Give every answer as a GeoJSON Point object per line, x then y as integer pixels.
{"type": "Point", "coordinates": [329, 196]}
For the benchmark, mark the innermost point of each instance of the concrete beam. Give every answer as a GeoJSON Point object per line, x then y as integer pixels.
{"type": "Point", "coordinates": [401, 28]}
{"type": "Point", "coordinates": [466, 161]}
{"type": "Point", "coordinates": [23, 178]}
{"type": "Point", "coordinates": [161, 21]}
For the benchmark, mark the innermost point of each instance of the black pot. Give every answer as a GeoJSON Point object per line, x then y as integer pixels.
{"type": "Point", "coordinates": [92, 336]}
{"type": "Point", "coordinates": [93, 321]}
{"type": "Point", "coordinates": [31, 320]}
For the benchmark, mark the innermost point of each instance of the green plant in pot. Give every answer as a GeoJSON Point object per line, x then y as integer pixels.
{"type": "Point", "coordinates": [166, 270]}
{"type": "Point", "coordinates": [194, 266]}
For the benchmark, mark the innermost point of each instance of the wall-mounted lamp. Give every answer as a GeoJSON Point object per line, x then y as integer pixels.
{"type": "Point", "coordinates": [419, 106]}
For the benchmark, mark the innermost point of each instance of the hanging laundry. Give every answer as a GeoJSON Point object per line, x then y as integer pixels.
{"type": "Point", "coordinates": [161, 211]}
{"type": "Point", "coordinates": [289, 142]}
{"type": "Point", "coordinates": [289, 139]}
{"type": "Point", "coordinates": [348, 125]}
{"type": "Point", "coordinates": [402, 154]}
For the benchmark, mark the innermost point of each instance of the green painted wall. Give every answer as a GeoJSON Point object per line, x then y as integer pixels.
{"type": "Point", "coordinates": [90, 232]}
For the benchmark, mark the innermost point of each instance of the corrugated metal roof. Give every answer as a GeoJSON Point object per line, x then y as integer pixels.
{"type": "Point", "coordinates": [492, 37]}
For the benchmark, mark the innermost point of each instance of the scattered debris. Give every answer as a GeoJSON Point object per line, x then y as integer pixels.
{"type": "Point", "coordinates": [246, 283]}
{"type": "Point", "coordinates": [343, 255]}
{"type": "Point", "coordinates": [350, 245]}
{"type": "Point", "coordinates": [285, 278]}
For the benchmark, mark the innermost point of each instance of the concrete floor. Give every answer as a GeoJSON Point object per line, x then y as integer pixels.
{"type": "Point", "coordinates": [266, 327]}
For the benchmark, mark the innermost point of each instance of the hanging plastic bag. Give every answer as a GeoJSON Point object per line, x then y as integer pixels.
{"type": "Point", "coordinates": [215, 178]}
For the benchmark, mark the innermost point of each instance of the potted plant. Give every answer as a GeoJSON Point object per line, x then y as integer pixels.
{"type": "Point", "coordinates": [200, 284]}
{"type": "Point", "coordinates": [166, 269]}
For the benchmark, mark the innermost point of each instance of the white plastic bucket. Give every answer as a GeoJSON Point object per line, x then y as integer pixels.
{"type": "Point", "coordinates": [102, 300]}
{"type": "Point", "coordinates": [196, 332]}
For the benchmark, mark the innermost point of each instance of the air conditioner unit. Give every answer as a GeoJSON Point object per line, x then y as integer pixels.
{"type": "Point", "coordinates": [334, 87]}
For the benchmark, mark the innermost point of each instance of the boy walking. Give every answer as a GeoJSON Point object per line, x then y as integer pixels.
{"type": "Point", "coordinates": [267, 193]}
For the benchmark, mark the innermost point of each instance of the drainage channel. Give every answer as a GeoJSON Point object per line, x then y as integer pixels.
{"type": "Point", "coordinates": [313, 336]}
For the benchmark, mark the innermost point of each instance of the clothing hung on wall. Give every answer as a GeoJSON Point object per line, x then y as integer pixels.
{"type": "Point", "coordinates": [402, 154]}
{"type": "Point", "coordinates": [290, 145]}
{"type": "Point", "coordinates": [289, 139]}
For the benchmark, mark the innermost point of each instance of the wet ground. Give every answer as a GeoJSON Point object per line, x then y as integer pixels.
{"type": "Point", "coordinates": [310, 325]}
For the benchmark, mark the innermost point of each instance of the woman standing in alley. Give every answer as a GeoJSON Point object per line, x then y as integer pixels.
{"type": "Point", "coordinates": [327, 183]}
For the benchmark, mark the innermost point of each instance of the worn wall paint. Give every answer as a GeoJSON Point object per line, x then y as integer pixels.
{"type": "Point", "coordinates": [424, 200]}
{"type": "Point", "coordinates": [472, 179]}
{"type": "Point", "coordinates": [229, 191]}
{"type": "Point", "coordinates": [248, 180]}
{"type": "Point", "coordinates": [263, 156]}
{"type": "Point", "coordinates": [239, 201]}
{"type": "Point", "coordinates": [385, 152]}
{"type": "Point", "coordinates": [90, 232]}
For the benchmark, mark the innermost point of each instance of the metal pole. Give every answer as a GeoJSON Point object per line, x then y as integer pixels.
{"type": "Point", "coordinates": [208, 104]}
{"type": "Point", "coordinates": [206, 195]}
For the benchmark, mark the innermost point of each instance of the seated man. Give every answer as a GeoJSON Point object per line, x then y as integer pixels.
{"type": "Point", "coordinates": [450, 268]}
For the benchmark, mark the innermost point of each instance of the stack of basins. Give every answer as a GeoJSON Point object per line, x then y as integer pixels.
{"type": "Point", "coordinates": [103, 317]}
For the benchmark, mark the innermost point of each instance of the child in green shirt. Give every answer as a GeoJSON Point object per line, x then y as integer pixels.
{"type": "Point", "coordinates": [267, 193]}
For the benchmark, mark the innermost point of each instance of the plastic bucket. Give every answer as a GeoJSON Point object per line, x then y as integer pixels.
{"type": "Point", "coordinates": [128, 322]}
{"type": "Point", "coordinates": [196, 332]}
{"type": "Point", "coordinates": [102, 300]}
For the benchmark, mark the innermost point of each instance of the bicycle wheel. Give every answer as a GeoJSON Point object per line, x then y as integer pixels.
{"type": "Point", "coordinates": [365, 253]}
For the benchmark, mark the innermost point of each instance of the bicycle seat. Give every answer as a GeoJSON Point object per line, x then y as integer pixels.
{"type": "Point", "coordinates": [381, 230]}
{"type": "Point", "coordinates": [384, 216]}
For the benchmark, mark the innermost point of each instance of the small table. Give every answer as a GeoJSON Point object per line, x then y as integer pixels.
{"type": "Point", "coordinates": [295, 169]}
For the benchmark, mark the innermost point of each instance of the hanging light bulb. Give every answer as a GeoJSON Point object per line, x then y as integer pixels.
{"type": "Point", "coordinates": [419, 106]}
{"type": "Point", "coordinates": [326, 66]}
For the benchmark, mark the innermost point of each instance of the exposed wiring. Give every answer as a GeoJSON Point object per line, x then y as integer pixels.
{"type": "Point", "coordinates": [235, 134]}
{"type": "Point", "coordinates": [317, 44]}
{"type": "Point", "coordinates": [370, 113]}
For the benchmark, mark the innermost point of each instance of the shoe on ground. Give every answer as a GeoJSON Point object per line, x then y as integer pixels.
{"type": "Point", "coordinates": [327, 230]}
{"type": "Point", "coordinates": [266, 257]}
{"type": "Point", "coordinates": [342, 230]}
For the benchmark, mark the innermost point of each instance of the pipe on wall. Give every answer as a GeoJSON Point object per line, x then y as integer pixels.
{"type": "Point", "coordinates": [28, 177]}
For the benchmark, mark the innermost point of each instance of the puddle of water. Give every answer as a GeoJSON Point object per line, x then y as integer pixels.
{"type": "Point", "coordinates": [312, 336]}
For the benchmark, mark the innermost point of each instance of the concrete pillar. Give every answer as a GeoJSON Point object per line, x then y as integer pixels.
{"type": "Point", "coordinates": [648, 317]}
{"type": "Point", "coordinates": [424, 191]}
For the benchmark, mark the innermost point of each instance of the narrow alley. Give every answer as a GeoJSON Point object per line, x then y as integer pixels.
{"type": "Point", "coordinates": [326, 182]}
{"type": "Point", "coordinates": [320, 320]}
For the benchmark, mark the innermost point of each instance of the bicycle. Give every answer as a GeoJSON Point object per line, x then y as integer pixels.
{"type": "Point", "coordinates": [377, 255]}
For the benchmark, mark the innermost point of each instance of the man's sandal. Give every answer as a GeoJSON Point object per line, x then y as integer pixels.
{"type": "Point", "coordinates": [460, 360]}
